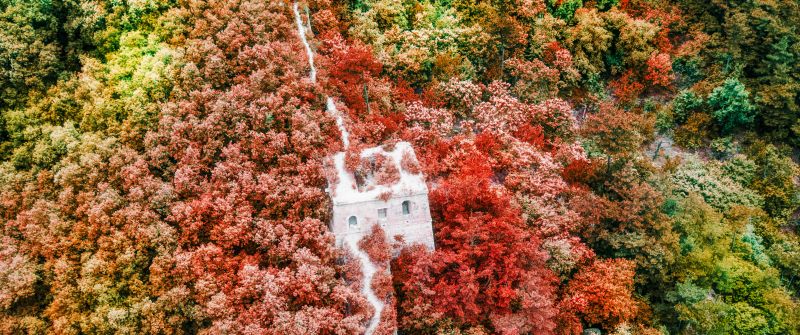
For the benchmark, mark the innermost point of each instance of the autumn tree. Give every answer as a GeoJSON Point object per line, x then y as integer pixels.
{"type": "Point", "coordinates": [601, 293]}
{"type": "Point", "coordinates": [617, 133]}
{"type": "Point", "coordinates": [177, 206]}
{"type": "Point", "coordinates": [483, 253]}
{"type": "Point", "coordinates": [161, 165]}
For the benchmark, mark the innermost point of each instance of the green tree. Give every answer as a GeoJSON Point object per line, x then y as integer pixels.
{"type": "Point", "coordinates": [684, 104]}
{"type": "Point", "coordinates": [725, 283]}
{"type": "Point", "coordinates": [29, 49]}
{"type": "Point", "coordinates": [566, 9]}
{"type": "Point", "coordinates": [774, 180]}
{"type": "Point", "coordinates": [779, 99]}
{"type": "Point", "coordinates": [731, 106]}
{"type": "Point", "coordinates": [758, 40]}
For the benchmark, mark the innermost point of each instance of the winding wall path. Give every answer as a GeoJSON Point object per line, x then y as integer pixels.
{"type": "Point", "coordinates": [368, 269]}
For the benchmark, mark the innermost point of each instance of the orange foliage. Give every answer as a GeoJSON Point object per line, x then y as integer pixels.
{"type": "Point", "coordinates": [627, 88]}
{"type": "Point", "coordinates": [659, 70]}
{"type": "Point", "coordinates": [602, 292]}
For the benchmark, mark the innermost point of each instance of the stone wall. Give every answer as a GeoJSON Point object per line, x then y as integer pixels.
{"type": "Point", "coordinates": [414, 227]}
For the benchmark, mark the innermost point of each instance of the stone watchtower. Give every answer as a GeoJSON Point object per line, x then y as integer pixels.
{"type": "Point", "coordinates": [386, 189]}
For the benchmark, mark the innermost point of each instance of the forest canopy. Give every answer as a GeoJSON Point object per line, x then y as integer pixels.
{"type": "Point", "coordinates": [594, 167]}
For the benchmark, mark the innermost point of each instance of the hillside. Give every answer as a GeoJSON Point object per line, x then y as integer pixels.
{"type": "Point", "coordinates": [599, 166]}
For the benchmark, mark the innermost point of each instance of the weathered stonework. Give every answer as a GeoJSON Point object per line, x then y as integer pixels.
{"type": "Point", "coordinates": [414, 227]}
{"type": "Point", "coordinates": [356, 208]}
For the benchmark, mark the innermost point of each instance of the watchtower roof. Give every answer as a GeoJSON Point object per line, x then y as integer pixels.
{"type": "Point", "coordinates": [380, 174]}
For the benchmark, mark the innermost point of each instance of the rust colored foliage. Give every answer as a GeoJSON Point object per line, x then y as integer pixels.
{"type": "Point", "coordinates": [532, 135]}
{"type": "Point", "coordinates": [162, 166]}
{"type": "Point", "coordinates": [409, 163]}
{"type": "Point", "coordinates": [579, 171]}
{"type": "Point", "coordinates": [485, 263]}
{"type": "Point", "coordinates": [659, 70]}
{"type": "Point", "coordinates": [386, 172]}
{"type": "Point", "coordinates": [602, 292]}
{"type": "Point", "coordinates": [615, 131]}
{"type": "Point", "coordinates": [366, 96]}
{"type": "Point", "coordinates": [376, 246]}
{"type": "Point", "coordinates": [627, 87]}
{"type": "Point", "coordinates": [352, 66]}
{"type": "Point", "coordinates": [244, 141]}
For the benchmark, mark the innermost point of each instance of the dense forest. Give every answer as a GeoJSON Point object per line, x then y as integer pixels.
{"type": "Point", "coordinates": [594, 166]}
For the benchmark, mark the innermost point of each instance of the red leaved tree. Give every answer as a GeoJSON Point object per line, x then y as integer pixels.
{"type": "Point", "coordinates": [487, 270]}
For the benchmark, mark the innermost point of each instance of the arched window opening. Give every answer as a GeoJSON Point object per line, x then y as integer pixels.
{"type": "Point", "coordinates": [352, 221]}
{"type": "Point", "coordinates": [406, 207]}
